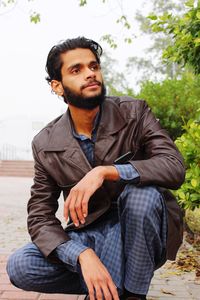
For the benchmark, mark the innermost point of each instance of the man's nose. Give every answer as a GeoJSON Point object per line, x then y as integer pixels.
{"type": "Point", "coordinates": [90, 73]}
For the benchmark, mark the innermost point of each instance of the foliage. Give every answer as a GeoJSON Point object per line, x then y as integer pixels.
{"type": "Point", "coordinates": [185, 35]}
{"type": "Point", "coordinates": [35, 17]}
{"type": "Point", "coordinates": [121, 20]}
{"type": "Point", "coordinates": [189, 145]}
{"type": "Point", "coordinates": [173, 101]}
{"type": "Point", "coordinates": [192, 218]}
{"type": "Point", "coordinates": [84, 2]}
{"type": "Point", "coordinates": [6, 2]}
{"type": "Point", "coordinates": [110, 40]}
{"type": "Point", "coordinates": [152, 63]}
{"type": "Point", "coordinates": [7, 5]}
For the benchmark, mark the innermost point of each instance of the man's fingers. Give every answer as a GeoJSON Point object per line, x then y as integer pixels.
{"type": "Point", "coordinates": [85, 201]}
{"type": "Point", "coordinates": [76, 204]}
{"type": "Point", "coordinates": [79, 196]}
{"type": "Point", "coordinates": [113, 291]}
{"type": "Point", "coordinates": [98, 293]}
{"type": "Point", "coordinates": [78, 208]}
{"type": "Point", "coordinates": [66, 208]}
{"type": "Point", "coordinates": [72, 210]}
{"type": "Point", "coordinates": [90, 290]}
{"type": "Point", "coordinates": [70, 206]}
{"type": "Point", "coordinates": [107, 294]}
{"type": "Point", "coordinates": [98, 277]}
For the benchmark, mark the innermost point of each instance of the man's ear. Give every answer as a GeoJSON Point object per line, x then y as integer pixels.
{"type": "Point", "coordinates": [57, 87]}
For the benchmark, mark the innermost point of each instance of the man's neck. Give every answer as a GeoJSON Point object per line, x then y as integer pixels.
{"type": "Point", "coordinates": [83, 119]}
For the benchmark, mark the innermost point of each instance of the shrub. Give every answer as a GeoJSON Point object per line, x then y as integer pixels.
{"type": "Point", "coordinates": [173, 101]}
{"type": "Point", "coordinates": [189, 145]}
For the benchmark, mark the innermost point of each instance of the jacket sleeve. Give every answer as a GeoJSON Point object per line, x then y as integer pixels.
{"type": "Point", "coordinates": [162, 164]}
{"type": "Point", "coordinates": [42, 206]}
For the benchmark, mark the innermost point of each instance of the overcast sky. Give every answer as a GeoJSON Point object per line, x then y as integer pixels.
{"type": "Point", "coordinates": [24, 92]}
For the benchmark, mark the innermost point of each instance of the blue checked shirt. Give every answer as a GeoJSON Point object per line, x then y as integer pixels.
{"type": "Point", "coordinates": [69, 251]}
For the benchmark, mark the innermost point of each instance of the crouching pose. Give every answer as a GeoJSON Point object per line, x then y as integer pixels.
{"type": "Point", "coordinates": [114, 163]}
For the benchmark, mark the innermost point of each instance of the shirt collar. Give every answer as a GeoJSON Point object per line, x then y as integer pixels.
{"type": "Point", "coordinates": [94, 130]}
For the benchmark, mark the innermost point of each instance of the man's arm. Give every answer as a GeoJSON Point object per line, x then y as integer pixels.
{"type": "Point", "coordinates": [43, 226]}
{"type": "Point", "coordinates": [162, 163]}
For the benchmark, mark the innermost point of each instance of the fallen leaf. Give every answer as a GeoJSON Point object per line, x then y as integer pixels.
{"type": "Point", "coordinates": [198, 272]}
{"type": "Point", "coordinates": [167, 292]}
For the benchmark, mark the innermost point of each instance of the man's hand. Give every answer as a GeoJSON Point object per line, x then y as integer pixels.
{"type": "Point", "coordinates": [96, 276]}
{"type": "Point", "coordinates": [77, 201]}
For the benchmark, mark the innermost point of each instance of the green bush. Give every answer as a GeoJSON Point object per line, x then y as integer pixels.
{"type": "Point", "coordinates": [172, 101]}
{"type": "Point", "coordinates": [189, 145]}
{"type": "Point", "coordinates": [184, 32]}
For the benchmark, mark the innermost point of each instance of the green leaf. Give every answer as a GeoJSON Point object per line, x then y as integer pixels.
{"type": "Point", "coordinates": [194, 182]}
{"type": "Point", "coordinates": [181, 195]}
{"type": "Point", "coordinates": [190, 3]}
{"type": "Point", "coordinates": [82, 2]}
{"type": "Point", "coordinates": [156, 28]}
{"type": "Point", "coordinates": [35, 18]}
{"type": "Point", "coordinates": [197, 41]}
{"type": "Point", "coordinates": [124, 21]}
{"type": "Point", "coordinates": [152, 17]}
{"type": "Point", "coordinates": [110, 40]}
{"type": "Point", "coordinates": [128, 40]}
{"type": "Point", "coordinates": [198, 15]}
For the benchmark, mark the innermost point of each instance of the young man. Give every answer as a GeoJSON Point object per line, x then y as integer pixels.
{"type": "Point", "coordinates": [112, 161]}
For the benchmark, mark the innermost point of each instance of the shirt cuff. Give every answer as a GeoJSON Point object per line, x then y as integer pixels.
{"type": "Point", "coordinates": [128, 173]}
{"type": "Point", "coordinates": [69, 252]}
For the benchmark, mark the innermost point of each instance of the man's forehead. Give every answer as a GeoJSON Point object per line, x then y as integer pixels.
{"type": "Point", "coordinates": [78, 56]}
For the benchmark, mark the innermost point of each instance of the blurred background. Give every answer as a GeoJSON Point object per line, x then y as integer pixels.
{"type": "Point", "coordinates": [151, 52]}
{"type": "Point", "coordinates": [28, 30]}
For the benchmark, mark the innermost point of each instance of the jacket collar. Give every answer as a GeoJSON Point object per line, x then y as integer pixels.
{"type": "Point", "coordinates": [112, 121]}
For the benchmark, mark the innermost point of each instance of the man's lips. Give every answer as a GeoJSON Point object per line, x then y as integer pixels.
{"type": "Point", "coordinates": [92, 84]}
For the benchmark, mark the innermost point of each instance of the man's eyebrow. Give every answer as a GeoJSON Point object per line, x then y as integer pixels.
{"type": "Point", "coordinates": [74, 66]}
{"type": "Point", "coordinates": [77, 65]}
{"type": "Point", "coordinates": [93, 62]}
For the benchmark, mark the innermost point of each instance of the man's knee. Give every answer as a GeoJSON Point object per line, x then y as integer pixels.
{"type": "Point", "coordinates": [139, 202]}
{"type": "Point", "coordinates": [20, 267]}
{"type": "Point", "coordinates": [16, 269]}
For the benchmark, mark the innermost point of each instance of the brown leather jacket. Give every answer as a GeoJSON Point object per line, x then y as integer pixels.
{"type": "Point", "coordinates": [126, 125]}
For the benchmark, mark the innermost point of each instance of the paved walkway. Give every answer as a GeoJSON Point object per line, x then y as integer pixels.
{"type": "Point", "coordinates": [168, 282]}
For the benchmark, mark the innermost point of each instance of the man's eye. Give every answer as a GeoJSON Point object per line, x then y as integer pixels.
{"type": "Point", "coordinates": [75, 71]}
{"type": "Point", "coordinates": [94, 67]}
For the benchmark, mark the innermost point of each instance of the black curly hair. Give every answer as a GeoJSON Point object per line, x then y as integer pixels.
{"type": "Point", "coordinates": [54, 61]}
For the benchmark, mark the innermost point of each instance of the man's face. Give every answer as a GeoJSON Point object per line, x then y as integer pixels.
{"type": "Point", "coordinates": [82, 82]}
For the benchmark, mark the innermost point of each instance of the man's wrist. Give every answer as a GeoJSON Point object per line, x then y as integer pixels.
{"type": "Point", "coordinates": [109, 173]}
{"type": "Point", "coordinates": [84, 254]}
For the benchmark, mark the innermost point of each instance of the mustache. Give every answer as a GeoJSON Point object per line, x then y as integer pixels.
{"type": "Point", "coordinates": [91, 83]}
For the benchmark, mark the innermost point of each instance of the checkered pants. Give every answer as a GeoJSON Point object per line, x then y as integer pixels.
{"type": "Point", "coordinates": [131, 246]}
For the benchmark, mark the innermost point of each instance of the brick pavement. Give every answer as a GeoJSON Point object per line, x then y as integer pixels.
{"type": "Point", "coordinates": [168, 283]}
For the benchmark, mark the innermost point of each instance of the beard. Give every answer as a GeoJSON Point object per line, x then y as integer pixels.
{"type": "Point", "coordinates": [79, 101]}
